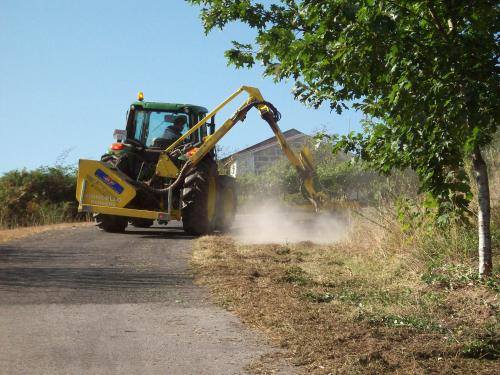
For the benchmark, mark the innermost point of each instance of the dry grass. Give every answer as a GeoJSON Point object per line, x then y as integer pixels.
{"type": "Point", "coordinates": [14, 234]}
{"type": "Point", "coordinates": [359, 306]}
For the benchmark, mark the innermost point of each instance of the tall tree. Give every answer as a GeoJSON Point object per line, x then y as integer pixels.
{"type": "Point", "coordinates": [425, 73]}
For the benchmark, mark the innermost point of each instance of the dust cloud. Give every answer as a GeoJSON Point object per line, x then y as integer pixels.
{"type": "Point", "coordinates": [272, 223]}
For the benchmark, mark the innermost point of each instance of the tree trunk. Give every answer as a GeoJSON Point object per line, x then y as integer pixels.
{"type": "Point", "coordinates": [481, 173]}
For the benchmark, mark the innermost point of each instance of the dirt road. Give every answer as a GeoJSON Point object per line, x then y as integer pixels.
{"type": "Point", "coordinates": [83, 301]}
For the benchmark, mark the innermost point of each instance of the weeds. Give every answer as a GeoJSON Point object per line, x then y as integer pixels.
{"type": "Point", "coordinates": [456, 276]}
{"type": "Point", "coordinates": [318, 297]}
{"type": "Point", "coordinates": [488, 348]}
{"type": "Point", "coordinates": [296, 275]}
{"type": "Point", "coordinates": [415, 322]}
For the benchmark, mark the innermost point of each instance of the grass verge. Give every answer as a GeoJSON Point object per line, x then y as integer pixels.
{"type": "Point", "coordinates": [14, 234]}
{"type": "Point", "coordinates": [354, 307]}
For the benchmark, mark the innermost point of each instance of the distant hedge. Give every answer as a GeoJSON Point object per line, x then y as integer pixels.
{"type": "Point", "coordinates": [337, 177]}
{"type": "Point", "coordinates": [42, 196]}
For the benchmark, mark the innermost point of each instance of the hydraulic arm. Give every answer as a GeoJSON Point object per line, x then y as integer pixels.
{"type": "Point", "coordinates": [302, 162]}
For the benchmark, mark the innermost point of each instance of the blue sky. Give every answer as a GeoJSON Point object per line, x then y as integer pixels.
{"type": "Point", "coordinates": [69, 70]}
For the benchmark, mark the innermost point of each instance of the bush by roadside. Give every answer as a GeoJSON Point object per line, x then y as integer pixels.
{"type": "Point", "coordinates": [45, 195]}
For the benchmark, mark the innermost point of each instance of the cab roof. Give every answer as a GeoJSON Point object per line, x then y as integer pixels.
{"type": "Point", "coordinates": [169, 106]}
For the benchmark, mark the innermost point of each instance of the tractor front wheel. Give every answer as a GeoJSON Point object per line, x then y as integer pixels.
{"type": "Point", "coordinates": [110, 223]}
{"type": "Point", "coordinates": [199, 198]}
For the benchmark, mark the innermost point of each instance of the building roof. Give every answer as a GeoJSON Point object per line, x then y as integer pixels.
{"type": "Point", "coordinates": [268, 142]}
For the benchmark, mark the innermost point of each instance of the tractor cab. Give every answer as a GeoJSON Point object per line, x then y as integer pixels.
{"type": "Point", "coordinates": [150, 129]}
{"type": "Point", "coordinates": [154, 125]}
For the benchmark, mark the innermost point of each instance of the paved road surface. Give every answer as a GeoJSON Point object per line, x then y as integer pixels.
{"type": "Point", "coordinates": [81, 301]}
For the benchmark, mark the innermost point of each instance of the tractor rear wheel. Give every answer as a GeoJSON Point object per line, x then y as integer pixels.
{"type": "Point", "coordinates": [110, 223]}
{"type": "Point", "coordinates": [226, 203]}
{"type": "Point", "coordinates": [199, 198]}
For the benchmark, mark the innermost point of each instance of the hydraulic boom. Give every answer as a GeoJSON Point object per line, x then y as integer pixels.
{"type": "Point", "coordinates": [302, 162]}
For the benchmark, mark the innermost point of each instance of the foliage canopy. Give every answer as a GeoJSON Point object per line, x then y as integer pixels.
{"type": "Point", "coordinates": [425, 73]}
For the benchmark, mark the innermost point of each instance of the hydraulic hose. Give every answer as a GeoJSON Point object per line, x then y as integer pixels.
{"type": "Point", "coordinates": [164, 191]}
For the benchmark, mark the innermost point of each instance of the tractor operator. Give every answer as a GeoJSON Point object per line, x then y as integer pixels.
{"type": "Point", "coordinates": [174, 131]}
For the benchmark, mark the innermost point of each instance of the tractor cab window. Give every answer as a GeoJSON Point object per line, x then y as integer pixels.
{"type": "Point", "coordinates": [138, 124]}
{"type": "Point", "coordinates": [161, 125]}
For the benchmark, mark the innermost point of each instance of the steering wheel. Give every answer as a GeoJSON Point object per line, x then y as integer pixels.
{"type": "Point", "coordinates": [134, 142]}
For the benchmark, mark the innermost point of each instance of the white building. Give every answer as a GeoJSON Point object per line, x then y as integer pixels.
{"type": "Point", "coordinates": [257, 158]}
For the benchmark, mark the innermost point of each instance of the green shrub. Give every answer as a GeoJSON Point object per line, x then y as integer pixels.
{"type": "Point", "coordinates": [41, 196]}
{"type": "Point", "coordinates": [338, 177]}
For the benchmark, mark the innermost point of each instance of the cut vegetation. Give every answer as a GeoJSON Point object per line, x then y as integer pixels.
{"type": "Point", "coordinates": [379, 302]}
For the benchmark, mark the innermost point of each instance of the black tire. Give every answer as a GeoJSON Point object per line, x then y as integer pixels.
{"type": "Point", "coordinates": [199, 196]}
{"type": "Point", "coordinates": [227, 203]}
{"type": "Point", "coordinates": [141, 223]}
{"type": "Point", "coordinates": [110, 223]}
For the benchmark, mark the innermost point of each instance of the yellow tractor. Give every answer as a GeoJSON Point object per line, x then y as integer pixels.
{"type": "Point", "coordinates": [148, 174]}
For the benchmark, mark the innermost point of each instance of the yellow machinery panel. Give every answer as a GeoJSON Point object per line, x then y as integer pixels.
{"type": "Point", "coordinates": [98, 185]}
{"type": "Point", "coordinates": [166, 167]}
